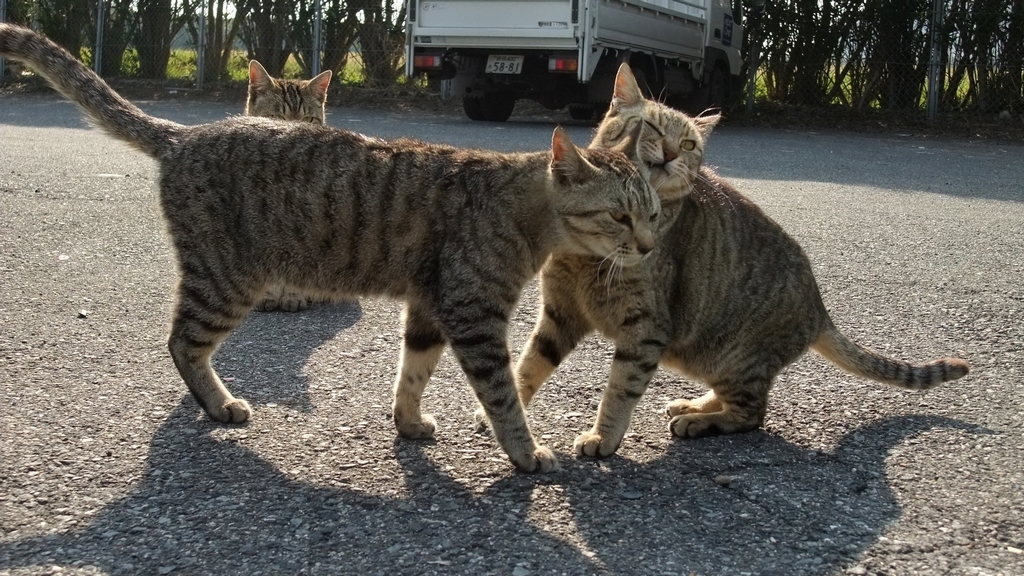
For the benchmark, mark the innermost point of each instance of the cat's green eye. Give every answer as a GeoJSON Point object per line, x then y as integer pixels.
{"type": "Point", "coordinates": [622, 218]}
{"type": "Point", "coordinates": [689, 145]}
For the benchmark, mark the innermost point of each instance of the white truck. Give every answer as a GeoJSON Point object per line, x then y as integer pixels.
{"type": "Point", "coordinates": [566, 52]}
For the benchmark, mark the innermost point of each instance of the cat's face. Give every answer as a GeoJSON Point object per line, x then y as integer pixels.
{"type": "Point", "coordinates": [294, 100]}
{"type": "Point", "coordinates": [610, 209]}
{"type": "Point", "coordinates": [671, 143]}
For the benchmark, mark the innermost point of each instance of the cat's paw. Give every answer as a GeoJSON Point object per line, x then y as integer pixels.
{"type": "Point", "coordinates": [592, 444]}
{"type": "Point", "coordinates": [541, 460]}
{"type": "Point", "coordinates": [417, 429]}
{"type": "Point", "coordinates": [293, 302]}
{"type": "Point", "coordinates": [693, 426]}
{"type": "Point", "coordinates": [680, 407]}
{"type": "Point", "coordinates": [267, 304]}
{"type": "Point", "coordinates": [482, 424]}
{"type": "Point", "coordinates": [234, 411]}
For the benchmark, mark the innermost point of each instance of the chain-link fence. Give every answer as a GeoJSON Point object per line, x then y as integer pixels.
{"type": "Point", "coordinates": [932, 56]}
{"type": "Point", "coordinates": [212, 40]}
{"type": "Point", "coordinates": [919, 56]}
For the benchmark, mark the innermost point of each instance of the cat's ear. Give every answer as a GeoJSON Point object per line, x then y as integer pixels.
{"type": "Point", "coordinates": [319, 84]}
{"type": "Point", "coordinates": [705, 123]}
{"type": "Point", "coordinates": [567, 164]}
{"type": "Point", "coordinates": [258, 75]}
{"type": "Point", "coordinates": [627, 92]}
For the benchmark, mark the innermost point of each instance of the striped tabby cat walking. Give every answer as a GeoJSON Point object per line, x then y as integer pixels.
{"type": "Point", "coordinates": [727, 297]}
{"type": "Point", "coordinates": [454, 233]}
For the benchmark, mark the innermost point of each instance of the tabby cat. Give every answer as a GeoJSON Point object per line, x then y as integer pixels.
{"type": "Point", "coordinates": [455, 233]}
{"type": "Point", "coordinates": [283, 99]}
{"type": "Point", "coordinates": [727, 297]}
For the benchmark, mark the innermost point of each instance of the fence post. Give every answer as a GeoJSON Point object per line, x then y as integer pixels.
{"type": "Point", "coordinates": [935, 60]}
{"type": "Point", "coordinates": [3, 18]}
{"type": "Point", "coordinates": [201, 47]}
{"type": "Point", "coordinates": [318, 18]}
{"type": "Point", "coordinates": [752, 64]}
{"type": "Point", "coordinates": [97, 51]}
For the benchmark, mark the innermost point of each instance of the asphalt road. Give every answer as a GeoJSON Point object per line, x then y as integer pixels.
{"type": "Point", "coordinates": [109, 467]}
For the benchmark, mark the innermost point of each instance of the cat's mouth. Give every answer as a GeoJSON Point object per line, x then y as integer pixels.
{"type": "Point", "coordinates": [658, 174]}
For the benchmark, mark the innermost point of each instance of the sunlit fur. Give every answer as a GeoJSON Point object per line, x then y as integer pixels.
{"type": "Point", "coordinates": [298, 100]}
{"type": "Point", "coordinates": [454, 233]}
{"type": "Point", "coordinates": [726, 297]}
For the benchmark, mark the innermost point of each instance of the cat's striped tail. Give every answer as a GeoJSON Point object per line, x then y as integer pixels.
{"type": "Point", "coordinates": [82, 86]}
{"type": "Point", "coordinates": [855, 359]}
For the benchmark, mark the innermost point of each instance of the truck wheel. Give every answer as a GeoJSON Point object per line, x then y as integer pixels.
{"type": "Point", "coordinates": [718, 92]}
{"type": "Point", "coordinates": [473, 108]}
{"type": "Point", "coordinates": [581, 111]}
{"type": "Point", "coordinates": [497, 107]}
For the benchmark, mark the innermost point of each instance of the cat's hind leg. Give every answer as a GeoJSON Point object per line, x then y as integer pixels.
{"type": "Point", "coordinates": [422, 346]}
{"type": "Point", "coordinates": [203, 319]}
{"type": "Point", "coordinates": [731, 406]}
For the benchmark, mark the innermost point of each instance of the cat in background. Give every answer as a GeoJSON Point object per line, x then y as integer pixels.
{"type": "Point", "coordinates": [299, 100]}
{"type": "Point", "coordinates": [285, 99]}
{"type": "Point", "coordinates": [726, 297]}
{"type": "Point", "coordinates": [455, 233]}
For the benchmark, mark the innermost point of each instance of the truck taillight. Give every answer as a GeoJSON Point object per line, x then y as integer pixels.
{"type": "Point", "coordinates": [428, 62]}
{"type": "Point", "coordinates": [561, 64]}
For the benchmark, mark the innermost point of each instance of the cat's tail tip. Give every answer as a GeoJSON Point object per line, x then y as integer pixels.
{"type": "Point", "coordinates": [858, 360]}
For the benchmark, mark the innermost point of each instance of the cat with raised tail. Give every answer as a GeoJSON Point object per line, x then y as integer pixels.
{"type": "Point", "coordinates": [726, 297]}
{"type": "Point", "coordinates": [455, 233]}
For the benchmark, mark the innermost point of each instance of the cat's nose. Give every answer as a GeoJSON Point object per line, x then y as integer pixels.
{"type": "Point", "coordinates": [670, 156]}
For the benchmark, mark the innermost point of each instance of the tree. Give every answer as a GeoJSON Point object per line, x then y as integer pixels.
{"type": "Point", "coordinates": [381, 35]}
{"type": "Point", "coordinates": [159, 22]}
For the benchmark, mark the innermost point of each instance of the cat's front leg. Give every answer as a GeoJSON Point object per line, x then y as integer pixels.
{"type": "Point", "coordinates": [633, 366]}
{"type": "Point", "coordinates": [559, 329]}
{"type": "Point", "coordinates": [482, 351]}
{"type": "Point", "coordinates": [422, 346]}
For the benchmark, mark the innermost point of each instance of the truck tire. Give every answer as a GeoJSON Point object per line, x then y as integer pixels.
{"type": "Point", "coordinates": [473, 107]}
{"type": "Point", "coordinates": [718, 90]}
{"type": "Point", "coordinates": [497, 107]}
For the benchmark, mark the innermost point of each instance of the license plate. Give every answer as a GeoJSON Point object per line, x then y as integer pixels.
{"type": "Point", "coordinates": [504, 64]}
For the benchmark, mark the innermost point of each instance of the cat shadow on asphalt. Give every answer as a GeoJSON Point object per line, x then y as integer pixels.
{"type": "Point", "coordinates": [209, 504]}
{"type": "Point", "coordinates": [784, 509]}
{"type": "Point", "coordinates": [263, 358]}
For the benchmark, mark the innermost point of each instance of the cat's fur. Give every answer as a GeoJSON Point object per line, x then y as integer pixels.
{"type": "Point", "coordinates": [455, 233]}
{"type": "Point", "coordinates": [293, 100]}
{"type": "Point", "coordinates": [727, 297]}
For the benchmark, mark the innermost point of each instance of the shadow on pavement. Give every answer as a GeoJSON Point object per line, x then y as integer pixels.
{"type": "Point", "coordinates": [208, 504]}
